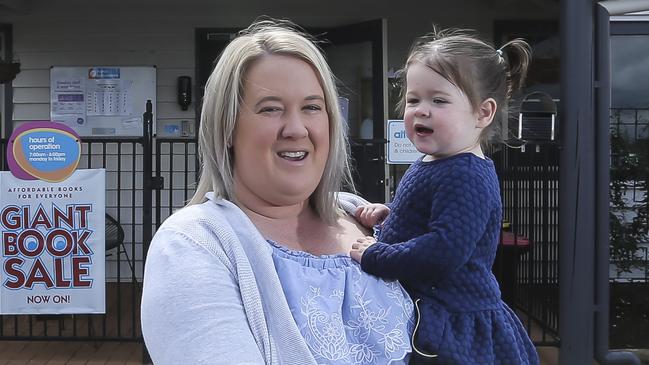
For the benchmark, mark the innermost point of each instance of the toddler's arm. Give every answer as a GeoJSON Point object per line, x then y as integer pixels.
{"type": "Point", "coordinates": [457, 221]}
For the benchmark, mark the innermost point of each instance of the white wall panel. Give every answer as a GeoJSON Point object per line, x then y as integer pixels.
{"type": "Point", "coordinates": [27, 95]}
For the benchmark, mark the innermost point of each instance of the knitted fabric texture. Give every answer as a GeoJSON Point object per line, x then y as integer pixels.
{"type": "Point", "coordinates": [440, 241]}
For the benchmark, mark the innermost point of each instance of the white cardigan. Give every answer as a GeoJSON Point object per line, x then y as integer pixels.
{"type": "Point", "coordinates": [203, 303]}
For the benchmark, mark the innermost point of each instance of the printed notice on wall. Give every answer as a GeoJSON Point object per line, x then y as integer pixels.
{"type": "Point", "coordinates": [102, 101]}
{"type": "Point", "coordinates": [67, 103]}
{"type": "Point", "coordinates": [109, 97]}
{"type": "Point", "coordinates": [400, 149]}
{"type": "Point", "coordinates": [53, 244]}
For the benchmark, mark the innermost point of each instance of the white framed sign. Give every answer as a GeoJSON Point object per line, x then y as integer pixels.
{"type": "Point", "coordinates": [102, 101]}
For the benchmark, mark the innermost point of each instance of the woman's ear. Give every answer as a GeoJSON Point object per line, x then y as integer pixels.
{"type": "Point", "coordinates": [486, 112]}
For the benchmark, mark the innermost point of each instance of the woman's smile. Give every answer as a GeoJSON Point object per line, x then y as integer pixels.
{"type": "Point", "coordinates": [293, 155]}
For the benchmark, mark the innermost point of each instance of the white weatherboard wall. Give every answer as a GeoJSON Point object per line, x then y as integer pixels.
{"type": "Point", "coordinates": [162, 33]}
{"type": "Point", "coordinates": [74, 36]}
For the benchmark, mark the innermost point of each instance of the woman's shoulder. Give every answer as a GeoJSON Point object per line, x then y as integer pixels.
{"type": "Point", "coordinates": [216, 225]}
{"type": "Point", "coordinates": [204, 224]}
{"type": "Point", "coordinates": [211, 212]}
{"type": "Point", "coordinates": [189, 214]}
{"type": "Point", "coordinates": [186, 226]}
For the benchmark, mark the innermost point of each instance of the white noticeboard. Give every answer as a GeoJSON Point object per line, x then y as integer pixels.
{"type": "Point", "coordinates": [400, 149]}
{"type": "Point", "coordinates": [102, 100]}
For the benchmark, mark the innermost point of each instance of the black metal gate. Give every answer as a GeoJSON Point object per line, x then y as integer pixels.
{"type": "Point", "coordinates": [128, 164]}
{"type": "Point", "coordinates": [177, 171]}
{"type": "Point", "coordinates": [527, 264]}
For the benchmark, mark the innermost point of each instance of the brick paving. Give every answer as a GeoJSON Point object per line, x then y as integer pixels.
{"type": "Point", "coordinates": [70, 353]}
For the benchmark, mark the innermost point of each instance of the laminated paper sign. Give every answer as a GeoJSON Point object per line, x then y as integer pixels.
{"type": "Point", "coordinates": [52, 220]}
{"type": "Point", "coordinates": [400, 148]}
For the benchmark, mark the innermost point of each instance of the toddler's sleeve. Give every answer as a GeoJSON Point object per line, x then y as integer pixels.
{"type": "Point", "coordinates": [461, 209]}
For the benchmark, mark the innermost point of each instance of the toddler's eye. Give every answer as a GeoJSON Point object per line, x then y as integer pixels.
{"type": "Point", "coordinates": [412, 101]}
{"type": "Point", "coordinates": [439, 101]}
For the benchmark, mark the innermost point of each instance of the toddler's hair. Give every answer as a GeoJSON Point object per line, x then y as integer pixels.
{"type": "Point", "coordinates": [475, 67]}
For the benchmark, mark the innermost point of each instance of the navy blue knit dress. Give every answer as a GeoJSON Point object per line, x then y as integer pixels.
{"type": "Point", "coordinates": [440, 241]}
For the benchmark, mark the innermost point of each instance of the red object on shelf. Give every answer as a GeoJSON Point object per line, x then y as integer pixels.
{"type": "Point", "coordinates": [509, 239]}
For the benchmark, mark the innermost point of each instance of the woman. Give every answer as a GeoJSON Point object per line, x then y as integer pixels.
{"type": "Point", "coordinates": [255, 270]}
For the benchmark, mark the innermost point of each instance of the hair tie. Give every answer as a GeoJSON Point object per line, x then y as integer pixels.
{"type": "Point", "coordinates": [500, 52]}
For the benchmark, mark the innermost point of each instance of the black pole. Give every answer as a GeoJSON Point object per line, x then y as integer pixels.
{"type": "Point", "coordinates": [7, 31]}
{"type": "Point", "coordinates": [576, 184]}
{"type": "Point", "coordinates": [147, 190]}
{"type": "Point", "coordinates": [147, 183]}
{"type": "Point", "coordinates": [603, 74]}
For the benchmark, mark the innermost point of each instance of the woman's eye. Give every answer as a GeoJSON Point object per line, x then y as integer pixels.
{"type": "Point", "coordinates": [313, 107]}
{"type": "Point", "coordinates": [269, 109]}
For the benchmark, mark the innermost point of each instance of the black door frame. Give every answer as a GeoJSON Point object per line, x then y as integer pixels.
{"type": "Point", "coordinates": [7, 54]}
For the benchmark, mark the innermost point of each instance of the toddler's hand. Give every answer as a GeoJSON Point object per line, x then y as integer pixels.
{"type": "Point", "coordinates": [360, 246]}
{"type": "Point", "coordinates": [372, 214]}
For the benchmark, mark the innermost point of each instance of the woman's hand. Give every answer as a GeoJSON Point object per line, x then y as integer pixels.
{"type": "Point", "coordinates": [372, 214]}
{"type": "Point", "coordinates": [360, 246]}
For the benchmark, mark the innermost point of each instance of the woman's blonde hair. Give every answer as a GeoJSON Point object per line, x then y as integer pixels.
{"type": "Point", "coordinates": [222, 101]}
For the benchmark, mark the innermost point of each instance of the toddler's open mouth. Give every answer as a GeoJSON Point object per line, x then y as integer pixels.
{"type": "Point", "coordinates": [421, 130]}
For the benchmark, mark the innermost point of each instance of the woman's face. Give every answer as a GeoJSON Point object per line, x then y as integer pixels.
{"type": "Point", "coordinates": [281, 138]}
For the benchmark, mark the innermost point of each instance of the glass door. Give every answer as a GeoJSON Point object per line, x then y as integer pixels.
{"type": "Point", "coordinates": [357, 56]}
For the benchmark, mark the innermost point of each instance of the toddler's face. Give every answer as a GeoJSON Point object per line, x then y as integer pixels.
{"type": "Point", "coordinates": [438, 116]}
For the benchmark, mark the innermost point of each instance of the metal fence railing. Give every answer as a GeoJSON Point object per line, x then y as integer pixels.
{"type": "Point", "coordinates": [177, 169]}
{"type": "Point", "coordinates": [527, 264]}
{"type": "Point", "coordinates": [125, 176]}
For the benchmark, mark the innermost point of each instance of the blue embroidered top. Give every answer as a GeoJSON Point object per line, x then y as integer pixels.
{"type": "Point", "coordinates": [345, 315]}
{"type": "Point", "coordinates": [440, 241]}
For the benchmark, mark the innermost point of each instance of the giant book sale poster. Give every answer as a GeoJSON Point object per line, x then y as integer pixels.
{"type": "Point", "coordinates": [52, 219]}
